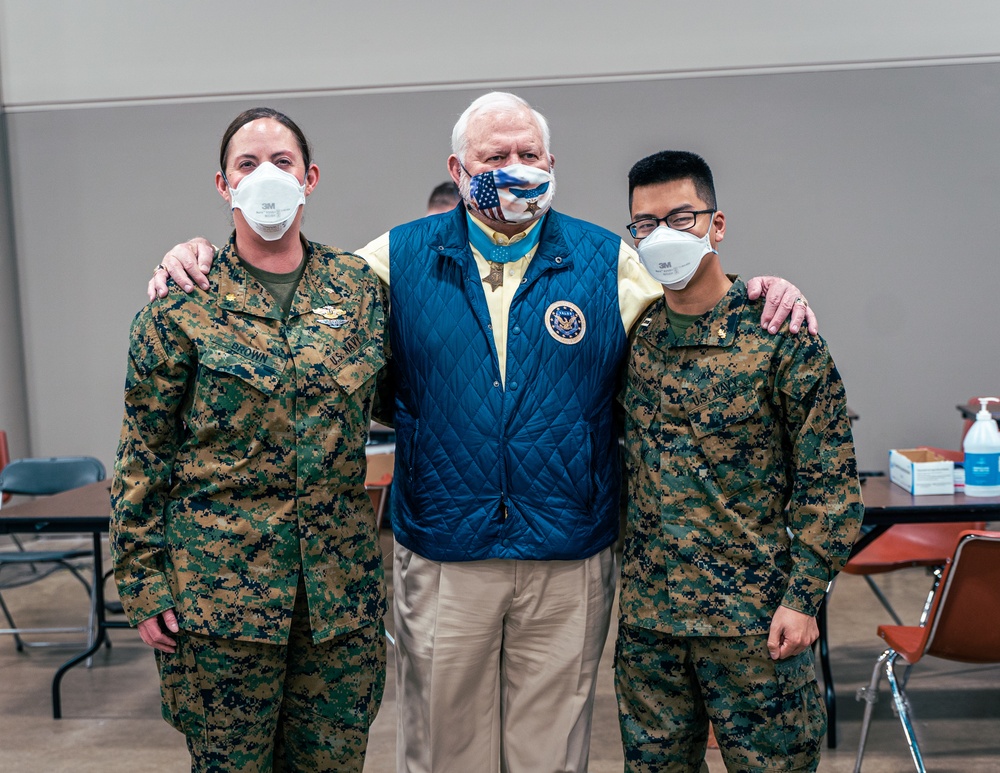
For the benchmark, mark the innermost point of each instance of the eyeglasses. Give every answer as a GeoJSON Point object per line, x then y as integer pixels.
{"type": "Point", "coordinates": [679, 221]}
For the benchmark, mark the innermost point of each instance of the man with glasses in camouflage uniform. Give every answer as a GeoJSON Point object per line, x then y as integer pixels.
{"type": "Point", "coordinates": [743, 502]}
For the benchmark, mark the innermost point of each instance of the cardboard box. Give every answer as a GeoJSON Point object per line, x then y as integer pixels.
{"type": "Point", "coordinates": [921, 471]}
{"type": "Point", "coordinates": [958, 457]}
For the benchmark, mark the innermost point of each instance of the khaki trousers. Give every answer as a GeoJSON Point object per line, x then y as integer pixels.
{"type": "Point", "coordinates": [496, 662]}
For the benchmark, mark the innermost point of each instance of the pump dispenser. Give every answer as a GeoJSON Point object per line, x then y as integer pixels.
{"type": "Point", "coordinates": [982, 454]}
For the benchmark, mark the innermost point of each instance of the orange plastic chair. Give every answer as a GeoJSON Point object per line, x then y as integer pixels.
{"type": "Point", "coordinates": [905, 545]}
{"type": "Point", "coordinates": [954, 629]}
{"type": "Point", "coordinates": [378, 482]}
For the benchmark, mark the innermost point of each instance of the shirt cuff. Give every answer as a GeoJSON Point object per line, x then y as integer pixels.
{"type": "Point", "coordinates": [805, 594]}
{"type": "Point", "coordinates": [146, 598]}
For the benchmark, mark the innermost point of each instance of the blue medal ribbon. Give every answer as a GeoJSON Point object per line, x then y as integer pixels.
{"type": "Point", "coordinates": [502, 253]}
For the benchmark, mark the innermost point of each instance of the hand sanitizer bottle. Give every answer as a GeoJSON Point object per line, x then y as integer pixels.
{"type": "Point", "coordinates": [982, 454]}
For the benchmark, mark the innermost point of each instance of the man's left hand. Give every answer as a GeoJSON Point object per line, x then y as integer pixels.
{"type": "Point", "coordinates": [791, 633]}
{"type": "Point", "coordinates": [783, 299]}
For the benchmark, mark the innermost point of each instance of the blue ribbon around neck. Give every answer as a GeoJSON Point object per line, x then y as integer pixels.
{"type": "Point", "coordinates": [497, 253]}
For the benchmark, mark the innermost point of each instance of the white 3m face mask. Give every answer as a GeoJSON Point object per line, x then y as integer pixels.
{"type": "Point", "coordinates": [269, 199]}
{"type": "Point", "coordinates": [673, 256]}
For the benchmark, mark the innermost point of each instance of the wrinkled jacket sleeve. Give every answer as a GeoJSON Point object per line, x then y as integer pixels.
{"type": "Point", "coordinates": [155, 388]}
{"type": "Point", "coordinates": [824, 512]}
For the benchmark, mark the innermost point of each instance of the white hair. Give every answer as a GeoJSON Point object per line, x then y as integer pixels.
{"type": "Point", "coordinates": [500, 102]}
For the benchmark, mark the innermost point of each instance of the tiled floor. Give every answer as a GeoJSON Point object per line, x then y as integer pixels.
{"type": "Point", "coordinates": [111, 711]}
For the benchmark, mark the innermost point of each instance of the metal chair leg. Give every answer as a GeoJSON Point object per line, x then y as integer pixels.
{"type": "Point", "coordinates": [23, 644]}
{"type": "Point", "coordinates": [10, 621]}
{"type": "Point", "coordinates": [869, 695]}
{"type": "Point", "coordinates": [903, 710]}
{"type": "Point", "coordinates": [882, 599]}
{"type": "Point", "coordinates": [938, 572]}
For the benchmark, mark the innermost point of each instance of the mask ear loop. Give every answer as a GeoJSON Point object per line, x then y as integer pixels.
{"type": "Point", "coordinates": [708, 234]}
{"type": "Point", "coordinates": [232, 193]}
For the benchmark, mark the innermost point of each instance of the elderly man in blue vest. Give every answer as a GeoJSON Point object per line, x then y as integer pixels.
{"type": "Point", "coordinates": [508, 326]}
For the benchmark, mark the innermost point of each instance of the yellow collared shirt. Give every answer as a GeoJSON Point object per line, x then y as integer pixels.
{"type": "Point", "coordinates": [636, 288]}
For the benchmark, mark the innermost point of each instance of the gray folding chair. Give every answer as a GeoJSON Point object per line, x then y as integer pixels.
{"type": "Point", "coordinates": [41, 477]}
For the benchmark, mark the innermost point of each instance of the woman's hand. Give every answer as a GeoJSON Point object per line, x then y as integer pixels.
{"type": "Point", "coordinates": [153, 631]}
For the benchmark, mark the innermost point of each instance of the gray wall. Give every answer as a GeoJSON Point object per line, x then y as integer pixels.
{"type": "Point", "coordinates": [13, 395]}
{"type": "Point", "coordinates": [58, 53]}
{"type": "Point", "coordinates": [875, 189]}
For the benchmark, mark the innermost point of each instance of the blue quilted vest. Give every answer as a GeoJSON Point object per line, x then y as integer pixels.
{"type": "Point", "coordinates": [530, 471]}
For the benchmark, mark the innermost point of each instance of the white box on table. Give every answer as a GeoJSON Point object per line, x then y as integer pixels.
{"type": "Point", "coordinates": [921, 471]}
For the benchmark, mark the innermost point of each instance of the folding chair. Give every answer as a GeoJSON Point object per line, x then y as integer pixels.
{"type": "Point", "coordinates": [378, 482]}
{"type": "Point", "coordinates": [954, 629]}
{"type": "Point", "coordinates": [39, 477]}
{"type": "Point", "coordinates": [906, 545]}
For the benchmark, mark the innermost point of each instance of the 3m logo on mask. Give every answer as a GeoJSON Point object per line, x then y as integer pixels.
{"type": "Point", "coordinates": [565, 322]}
{"type": "Point", "coordinates": [269, 199]}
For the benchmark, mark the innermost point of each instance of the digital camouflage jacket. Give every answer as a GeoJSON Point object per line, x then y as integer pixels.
{"type": "Point", "coordinates": [743, 488]}
{"type": "Point", "coordinates": [241, 464]}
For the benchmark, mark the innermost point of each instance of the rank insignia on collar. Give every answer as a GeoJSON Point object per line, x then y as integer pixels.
{"type": "Point", "coordinates": [722, 333]}
{"type": "Point", "coordinates": [565, 322]}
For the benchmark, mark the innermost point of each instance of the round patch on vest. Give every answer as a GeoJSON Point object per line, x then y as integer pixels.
{"type": "Point", "coordinates": [565, 322]}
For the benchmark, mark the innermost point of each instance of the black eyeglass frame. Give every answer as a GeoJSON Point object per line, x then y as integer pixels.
{"type": "Point", "coordinates": [631, 227]}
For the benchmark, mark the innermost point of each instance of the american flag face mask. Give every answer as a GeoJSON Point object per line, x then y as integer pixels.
{"type": "Point", "coordinates": [512, 194]}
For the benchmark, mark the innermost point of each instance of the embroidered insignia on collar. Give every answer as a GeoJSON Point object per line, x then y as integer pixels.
{"type": "Point", "coordinates": [565, 322]}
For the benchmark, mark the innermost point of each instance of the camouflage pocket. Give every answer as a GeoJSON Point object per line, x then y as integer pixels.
{"type": "Point", "coordinates": [729, 430]}
{"type": "Point", "coordinates": [352, 372]}
{"type": "Point", "coordinates": [803, 716]}
{"type": "Point", "coordinates": [230, 395]}
{"type": "Point", "coordinates": [638, 396]}
{"type": "Point", "coordinates": [641, 405]}
{"type": "Point", "coordinates": [225, 696]}
{"type": "Point", "coordinates": [180, 705]}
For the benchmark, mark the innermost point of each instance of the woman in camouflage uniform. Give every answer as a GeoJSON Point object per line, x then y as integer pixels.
{"type": "Point", "coordinates": [244, 544]}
